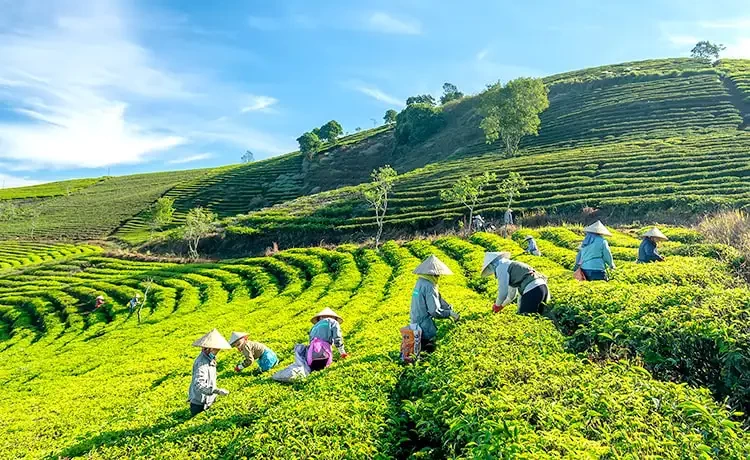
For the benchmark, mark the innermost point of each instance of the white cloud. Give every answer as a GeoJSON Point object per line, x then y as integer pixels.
{"type": "Point", "coordinates": [377, 94]}
{"type": "Point", "coordinates": [258, 103]}
{"type": "Point", "coordinates": [682, 40]}
{"type": "Point", "coordinates": [385, 23]}
{"type": "Point", "coordinates": [7, 181]}
{"type": "Point", "coordinates": [738, 49]}
{"type": "Point", "coordinates": [190, 159]}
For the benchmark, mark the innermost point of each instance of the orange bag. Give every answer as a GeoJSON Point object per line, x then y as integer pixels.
{"type": "Point", "coordinates": [579, 275]}
{"type": "Point", "coordinates": [411, 343]}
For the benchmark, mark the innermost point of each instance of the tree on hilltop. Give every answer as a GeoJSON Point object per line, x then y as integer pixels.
{"type": "Point", "coordinates": [705, 50]}
{"type": "Point", "coordinates": [331, 131]}
{"type": "Point", "coordinates": [309, 144]}
{"type": "Point", "coordinates": [377, 195]}
{"type": "Point", "coordinates": [199, 223]}
{"type": "Point", "coordinates": [450, 93]}
{"type": "Point", "coordinates": [417, 122]}
{"type": "Point", "coordinates": [467, 191]}
{"type": "Point", "coordinates": [390, 117]}
{"type": "Point", "coordinates": [421, 99]}
{"type": "Point", "coordinates": [248, 157]}
{"type": "Point", "coordinates": [512, 111]}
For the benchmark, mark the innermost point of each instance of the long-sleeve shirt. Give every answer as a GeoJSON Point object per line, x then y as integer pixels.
{"type": "Point", "coordinates": [512, 276]}
{"type": "Point", "coordinates": [251, 351]}
{"type": "Point", "coordinates": [532, 248]}
{"type": "Point", "coordinates": [329, 330]}
{"type": "Point", "coordinates": [202, 389]}
{"type": "Point", "coordinates": [426, 304]}
{"type": "Point", "coordinates": [647, 251]}
{"type": "Point", "coordinates": [595, 256]}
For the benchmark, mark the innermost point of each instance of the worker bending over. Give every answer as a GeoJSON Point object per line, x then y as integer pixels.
{"type": "Point", "coordinates": [252, 351]}
{"type": "Point", "coordinates": [647, 252]}
{"type": "Point", "coordinates": [426, 301]}
{"type": "Point", "coordinates": [514, 277]}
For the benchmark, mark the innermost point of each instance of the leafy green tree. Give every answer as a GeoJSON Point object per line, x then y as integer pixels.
{"type": "Point", "coordinates": [309, 144]}
{"type": "Point", "coordinates": [511, 186]}
{"type": "Point", "coordinates": [705, 51]}
{"type": "Point", "coordinates": [467, 191]}
{"type": "Point", "coordinates": [248, 157]}
{"type": "Point", "coordinates": [450, 93]}
{"type": "Point", "coordinates": [316, 131]}
{"type": "Point", "coordinates": [160, 213]}
{"type": "Point", "coordinates": [199, 223]}
{"type": "Point", "coordinates": [377, 195]}
{"type": "Point", "coordinates": [417, 122]}
{"type": "Point", "coordinates": [331, 131]}
{"type": "Point", "coordinates": [390, 117]}
{"type": "Point", "coordinates": [512, 112]}
{"type": "Point", "coordinates": [421, 99]}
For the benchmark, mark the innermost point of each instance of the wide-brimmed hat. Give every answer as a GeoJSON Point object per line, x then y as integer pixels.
{"type": "Point", "coordinates": [236, 336]}
{"type": "Point", "coordinates": [528, 237]}
{"type": "Point", "coordinates": [326, 312]}
{"type": "Point", "coordinates": [213, 340]}
{"type": "Point", "coordinates": [598, 228]}
{"type": "Point", "coordinates": [656, 234]}
{"type": "Point", "coordinates": [490, 257]}
{"type": "Point", "coordinates": [432, 266]}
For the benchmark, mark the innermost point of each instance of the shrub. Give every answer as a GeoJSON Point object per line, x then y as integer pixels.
{"type": "Point", "coordinates": [417, 122]}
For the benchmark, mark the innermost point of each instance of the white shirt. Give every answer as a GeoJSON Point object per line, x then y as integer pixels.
{"type": "Point", "coordinates": [505, 292]}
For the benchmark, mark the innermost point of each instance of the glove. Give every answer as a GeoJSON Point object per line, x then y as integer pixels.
{"type": "Point", "coordinates": [344, 355]}
{"type": "Point", "coordinates": [497, 308]}
{"type": "Point", "coordinates": [455, 316]}
{"type": "Point", "coordinates": [238, 367]}
{"type": "Point", "coordinates": [222, 392]}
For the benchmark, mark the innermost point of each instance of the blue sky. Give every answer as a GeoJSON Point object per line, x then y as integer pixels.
{"type": "Point", "coordinates": [130, 86]}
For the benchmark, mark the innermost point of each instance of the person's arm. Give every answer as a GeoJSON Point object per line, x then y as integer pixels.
{"type": "Point", "coordinates": [503, 285]}
{"type": "Point", "coordinates": [247, 352]}
{"type": "Point", "coordinates": [202, 381]}
{"type": "Point", "coordinates": [435, 308]}
{"type": "Point", "coordinates": [337, 337]}
{"type": "Point", "coordinates": [607, 255]}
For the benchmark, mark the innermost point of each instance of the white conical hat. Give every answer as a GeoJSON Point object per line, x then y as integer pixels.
{"type": "Point", "coordinates": [490, 257]}
{"type": "Point", "coordinates": [326, 312]}
{"type": "Point", "coordinates": [528, 237]}
{"type": "Point", "coordinates": [432, 266]}
{"type": "Point", "coordinates": [598, 228]}
{"type": "Point", "coordinates": [656, 234]}
{"type": "Point", "coordinates": [213, 340]}
{"type": "Point", "coordinates": [237, 336]}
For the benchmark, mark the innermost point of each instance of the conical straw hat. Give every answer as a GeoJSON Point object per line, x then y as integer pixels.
{"type": "Point", "coordinates": [490, 257]}
{"type": "Point", "coordinates": [528, 237]}
{"type": "Point", "coordinates": [213, 340]}
{"type": "Point", "coordinates": [326, 312]}
{"type": "Point", "coordinates": [432, 266]}
{"type": "Point", "coordinates": [598, 228]}
{"type": "Point", "coordinates": [656, 234]}
{"type": "Point", "coordinates": [236, 336]}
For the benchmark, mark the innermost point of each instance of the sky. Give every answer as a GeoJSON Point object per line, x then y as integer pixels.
{"type": "Point", "coordinates": [96, 87]}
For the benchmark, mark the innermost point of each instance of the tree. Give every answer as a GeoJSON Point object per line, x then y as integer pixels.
{"type": "Point", "coordinates": [309, 144]}
{"type": "Point", "coordinates": [705, 50]}
{"type": "Point", "coordinates": [512, 112]}
{"type": "Point", "coordinates": [248, 157]}
{"type": "Point", "coordinates": [512, 185]}
{"type": "Point", "coordinates": [377, 195]}
{"type": "Point", "coordinates": [199, 223]}
{"type": "Point", "coordinates": [417, 122]}
{"type": "Point", "coordinates": [331, 131]}
{"type": "Point", "coordinates": [160, 213]}
{"type": "Point", "coordinates": [357, 129]}
{"type": "Point", "coordinates": [8, 210]}
{"type": "Point", "coordinates": [450, 93]}
{"type": "Point", "coordinates": [390, 117]}
{"type": "Point", "coordinates": [421, 99]}
{"type": "Point", "coordinates": [467, 191]}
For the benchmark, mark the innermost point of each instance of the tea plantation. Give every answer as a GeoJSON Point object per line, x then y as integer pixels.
{"type": "Point", "coordinates": [642, 367]}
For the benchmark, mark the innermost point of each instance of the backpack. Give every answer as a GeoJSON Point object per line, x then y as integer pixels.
{"type": "Point", "coordinates": [411, 342]}
{"type": "Point", "coordinates": [320, 353]}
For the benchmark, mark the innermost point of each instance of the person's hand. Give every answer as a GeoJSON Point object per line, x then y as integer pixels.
{"type": "Point", "coordinates": [497, 308]}
{"type": "Point", "coordinates": [222, 392]}
{"type": "Point", "coordinates": [238, 368]}
{"type": "Point", "coordinates": [455, 316]}
{"type": "Point", "coordinates": [344, 355]}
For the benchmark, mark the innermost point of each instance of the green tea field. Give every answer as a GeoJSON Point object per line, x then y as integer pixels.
{"type": "Point", "coordinates": [643, 367]}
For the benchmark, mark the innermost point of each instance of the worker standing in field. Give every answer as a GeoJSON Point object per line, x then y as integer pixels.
{"type": "Point", "coordinates": [531, 247]}
{"type": "Point", "coordinates": [325, 334]}
{"type": "Point", "coordinates": [252, 351]}
{"type": "Point", "coordinates": [426, 302]}
{"type": "Point", "coordinates": [647, 251]}
{"type": "Point", "coordinates": [203, 390]}
{"type": "Point", "coordinates": [514, 277]}
{"type": "Point", "coordinates": [594, 255]}
{"type": "Point", "coordinates": [134, 302]}
{"type": "Point", "coordinates": [508, 217]}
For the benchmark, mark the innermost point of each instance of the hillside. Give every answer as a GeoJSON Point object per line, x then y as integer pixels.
{"type": "Point", "coordinates": [101, 385]}
{"type": "Point", "coordinates": [631, 137]}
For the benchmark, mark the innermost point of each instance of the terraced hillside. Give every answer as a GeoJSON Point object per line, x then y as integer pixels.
{"type": "Point", "coordinates": [671, 120]}
{"type": "Point", "coordinates": [101, 385]}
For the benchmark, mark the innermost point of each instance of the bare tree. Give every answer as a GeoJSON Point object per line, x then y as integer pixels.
{"type": "Point", "coordinates": [377, 195]}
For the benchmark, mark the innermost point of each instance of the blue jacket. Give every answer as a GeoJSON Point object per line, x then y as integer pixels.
{"type": "Point", "coordinates": [426, 304]}
{"type": "Point", "coordinates": [596, 255]}
{"type": "Point", "coordinates": [647, 252]}
{"type": "Point", "coordinates": [329, 330]}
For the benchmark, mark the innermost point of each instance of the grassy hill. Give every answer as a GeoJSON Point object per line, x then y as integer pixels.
{"type": "Point", "coordinates": [101, 385]}
{"type": "Point", "coordinates": [632, 137]}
